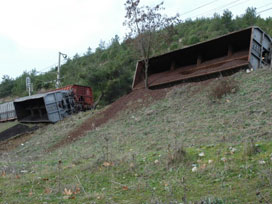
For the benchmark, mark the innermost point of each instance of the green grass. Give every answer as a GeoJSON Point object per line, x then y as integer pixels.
{"type": "Point", "coordinates": [128, 159]}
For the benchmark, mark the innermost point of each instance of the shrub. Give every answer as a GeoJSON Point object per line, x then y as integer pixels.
{"type": "Point", "coordinates": [222, 88]}
{"type": "Point", "coordinates": [250, 148]}
{"type": "Point", "coordinates": [176, 156]}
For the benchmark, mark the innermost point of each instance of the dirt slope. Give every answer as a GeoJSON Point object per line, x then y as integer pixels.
{"type": "Point", "coordinates": [133, 100]}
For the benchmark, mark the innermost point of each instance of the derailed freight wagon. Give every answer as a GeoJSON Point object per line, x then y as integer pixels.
{"type": "Point", "coordinates": [48, 107]}
{"type": "Point", "coordinates": [248, 48]}
{"type": "Point", "coordinates": [7, 112]}
{"type": "Point", "coordinates": [83, 96]}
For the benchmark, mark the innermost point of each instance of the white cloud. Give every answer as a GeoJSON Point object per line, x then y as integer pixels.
{"type": "Point", "coordinates": [55, 24]}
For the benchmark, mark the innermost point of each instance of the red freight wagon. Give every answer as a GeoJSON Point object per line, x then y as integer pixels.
{"type": "Point", "coordinates": [83, 95]}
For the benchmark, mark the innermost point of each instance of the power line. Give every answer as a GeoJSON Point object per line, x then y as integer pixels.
{"type": "Point", "coordinates": [264, 10]}
{"type": "Point", "coordinates": [264, 5]}
{"type": "Point", "coordinates": [217, 8]}
{"type": "Point", "coordinates": [224, 7]}
{"type": "Point", "coordinates": [47, 67]}
{"type": "Point", "coordinates": [199, 7]}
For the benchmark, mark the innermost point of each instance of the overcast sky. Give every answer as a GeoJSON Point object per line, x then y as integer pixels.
{"type": "Point", "coordinates": [32, 32]}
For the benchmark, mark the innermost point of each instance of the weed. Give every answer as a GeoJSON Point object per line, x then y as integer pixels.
{"type": "Point", "coordinates": [222, 88]}
{"type": "Point", "coordinates": [265, 175]}
{"type": "Point", "coordinates": [263, 198]}
{"type": "Point", "coordinates": [250, 148]}
{"type": "Point", "coordinates": [176, 156]}
{"type": "Point", "coordinates": [106, 147]}
{"type": "Point", "coordinates": [210, 200]}
{"type": "Point", "coordinates": [59, 176]}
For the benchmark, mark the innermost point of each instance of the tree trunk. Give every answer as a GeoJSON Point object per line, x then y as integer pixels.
{"type": "Point", "coordinates": [146, 74]}
{"type": "Point", "coordinates": [98, 100]}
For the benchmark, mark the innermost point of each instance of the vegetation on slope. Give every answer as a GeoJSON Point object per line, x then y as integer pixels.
{"type": "Point", "coordinates": [109, 69]}
{"type": "Point", "coordinates": [190, 146]}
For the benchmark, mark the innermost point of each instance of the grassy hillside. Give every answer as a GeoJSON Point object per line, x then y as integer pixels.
{"type": "Point", "coordinates": [189, 146]}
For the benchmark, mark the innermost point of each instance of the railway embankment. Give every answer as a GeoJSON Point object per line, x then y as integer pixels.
{"type": "Point", "coordinates": [202, 142]}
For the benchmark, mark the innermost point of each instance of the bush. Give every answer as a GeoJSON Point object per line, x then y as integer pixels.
{"type": "Point", "coordinates": [176, 156]}
{"type": "Point", "coordinates": [250, 148]}
{"type": "Point", "coordinates": [222, 88]}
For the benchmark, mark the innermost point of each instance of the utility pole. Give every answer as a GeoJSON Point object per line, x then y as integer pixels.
{"type": "Point", "coordinates": [58, 74]}
{"type": "Point", "coordinates": [29, 86]}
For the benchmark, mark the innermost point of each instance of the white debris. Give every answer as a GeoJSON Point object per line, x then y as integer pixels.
{"type": "Point", "coordinates": [135, 118]}
{"type": "Point", "coordinates": [262, 162]}
{"type": "Point", "coordinates": [223, 159]}
{"type": "Point", "coordinates": [23, 171]}
{"type": "Point", "coordinates": [194, 169]}
{"type": "Point", "coordinates": [232, 150]}
{"type": "Point", "coordinates": [249, 70]}
{"type": "Point", "coordinates": [22, 144]}
{"type": "Point", "coordinates": [201, 154]}
{"type": "Point", "coordinates": [156, 161]}
{"type": "Point", "coordinates": [149, 112]}
{"type": "Point", "coordinates": [210, 161]}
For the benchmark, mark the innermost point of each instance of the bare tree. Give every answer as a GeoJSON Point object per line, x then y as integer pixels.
{"type": "Point", "coordinates": [144, 23]}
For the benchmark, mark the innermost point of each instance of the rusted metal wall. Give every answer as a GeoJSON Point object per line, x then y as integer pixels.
{"type": "Point", "coordinates": [83, 95]}
{"type": "Point", "coordinates": [248, 47]}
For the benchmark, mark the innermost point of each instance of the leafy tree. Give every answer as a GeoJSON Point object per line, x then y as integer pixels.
{"type": "Point", "coordinates": [89, 51]}
{"type": "Point", "coordinates": [227, 20]}
{"type": "Point", "coordinates": [144, 23]}
{"type": "Point", "coordinates": [76, 56]}
{"type": "Point", "coordinates": [250, 17]}
{"type": "Point", "coordinates": [6, 86]}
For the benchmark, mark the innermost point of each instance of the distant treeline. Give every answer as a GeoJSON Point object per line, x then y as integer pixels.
{"type": "Point", "coordinates": [110, 67]}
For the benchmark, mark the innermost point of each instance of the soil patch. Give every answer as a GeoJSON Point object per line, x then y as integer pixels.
{"type": "Point", "coordinates": [133, 100]}
{"type": "Point", "coordinates": [8, 145]}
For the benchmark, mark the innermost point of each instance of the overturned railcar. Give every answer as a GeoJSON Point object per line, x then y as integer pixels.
{"type": "Point", "coordinates": [83, 96]}
{"type": "Point", "coordinates": [248, 48]}
{"type": "Point", "coordinates": [48, 107]}
{"type": "Point", "coordinates": [7, 112]}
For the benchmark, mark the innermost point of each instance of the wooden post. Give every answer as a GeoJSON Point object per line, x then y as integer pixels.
{"type": "Point", "coordinates": [229, 50]}
{"type": "Point", "coordinates": [199, 60]}
{"type": "Point", "coordinates": [173, 65]}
